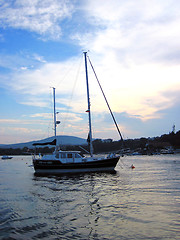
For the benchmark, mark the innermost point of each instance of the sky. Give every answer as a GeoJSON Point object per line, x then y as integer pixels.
{"type": "Point", "coordinates": [134, 48]}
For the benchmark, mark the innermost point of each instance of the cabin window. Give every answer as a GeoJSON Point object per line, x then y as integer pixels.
{"type": "Point", "coordinates": [57, 155]}
{"type": "Point", "coordinates": [69, 155]}
{"type": "Point", "coordinates": [77, 155]}
{"type": "Point", "coordinates": [63, 155]}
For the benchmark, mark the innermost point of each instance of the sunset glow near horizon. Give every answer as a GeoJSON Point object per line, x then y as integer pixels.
{"type": "Point", "coordinates": [133, 46]}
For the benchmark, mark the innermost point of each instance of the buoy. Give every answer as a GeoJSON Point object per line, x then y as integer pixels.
{"type": "Point", "coordinates": [132, 166]}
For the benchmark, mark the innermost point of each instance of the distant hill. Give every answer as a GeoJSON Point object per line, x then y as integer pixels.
{"type": "Point", "coordinates": [62, 140]}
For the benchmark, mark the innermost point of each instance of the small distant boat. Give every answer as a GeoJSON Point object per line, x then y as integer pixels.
{"type": "Point", "coordinates": [167, 151]}
{"type": "Point", "coordinates": [6, 157]}
{"type": "Point", "coordinates": [73, 161]}
{"type": "Point", "coordinates": [136, 153]}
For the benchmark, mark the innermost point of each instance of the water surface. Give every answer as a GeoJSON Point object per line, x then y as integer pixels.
{"type": "Point", "coordinates": [141, 203]}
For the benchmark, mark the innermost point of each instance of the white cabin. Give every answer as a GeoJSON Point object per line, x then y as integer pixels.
{"type": "Point", "coordinates": [64, 157]}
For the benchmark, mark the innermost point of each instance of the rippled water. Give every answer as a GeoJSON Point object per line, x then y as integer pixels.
{"type": "Point", "coordinates": [140, 203]}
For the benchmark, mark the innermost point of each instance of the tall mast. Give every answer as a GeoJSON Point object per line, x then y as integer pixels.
{"type": "Point", "coordinates": [89, 108]}
{"type": "Point", "coordinates": [54, 112]}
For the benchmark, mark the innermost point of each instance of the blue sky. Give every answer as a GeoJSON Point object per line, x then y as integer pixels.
{"type": "Point", "coordinates": [133, 45]}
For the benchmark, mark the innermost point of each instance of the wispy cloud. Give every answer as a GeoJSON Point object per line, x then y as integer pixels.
{"type": "Point", "coordinates": [41, 115]}
{"type": "Point", "coordinates": [20, 122]}
{"type": "Point", "coordinates": [42, 17]}
{"type": "Point", "coordinates": [21, 61]}
{"type": "Point", "coordinates": [134, 31]}
{"type": "Point", "coordinates": [11, 135]}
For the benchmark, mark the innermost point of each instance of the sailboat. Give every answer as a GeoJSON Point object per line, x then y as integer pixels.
{"type": "Point", "coordinates": [72, 161]}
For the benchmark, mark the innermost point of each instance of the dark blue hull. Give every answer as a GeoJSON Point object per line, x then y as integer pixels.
{"type": "Point", "coordinates": [89, 166]}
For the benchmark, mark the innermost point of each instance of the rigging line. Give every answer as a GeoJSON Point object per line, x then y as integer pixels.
{"type": "Point", "coordinates": [66, 73]}
{"type": "Point", "coordinates": [47, 121]}
{"type": "Point", "coordinates": [72, 93]}
{"type": "Point", "coordinates": [50, 106]}
{"type": "Point", "coordinates": [106, 100]}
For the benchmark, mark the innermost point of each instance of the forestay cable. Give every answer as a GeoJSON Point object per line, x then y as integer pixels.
{"type": "Point", "coordinates": [106, 100]}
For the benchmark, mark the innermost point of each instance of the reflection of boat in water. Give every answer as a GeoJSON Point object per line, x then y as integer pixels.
{"type": "Point", "coordinates": [72, 161]}
{"type": "Point", "coordinates": [6, 157]}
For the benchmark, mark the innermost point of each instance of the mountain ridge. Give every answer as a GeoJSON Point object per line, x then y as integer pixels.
{"type": "Point", "coordinates": [61, 140]}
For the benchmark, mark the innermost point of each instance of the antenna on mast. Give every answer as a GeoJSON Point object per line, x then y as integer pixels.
{"type": "Point", "coordinates": [173, 128]}
{"type": "Point", "coordinates": [55, 113]}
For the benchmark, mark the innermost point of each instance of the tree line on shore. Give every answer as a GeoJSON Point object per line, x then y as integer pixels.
{"type": "Point", "coordinates": [144, 145]}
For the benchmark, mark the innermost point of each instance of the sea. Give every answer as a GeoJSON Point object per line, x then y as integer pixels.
{"type": "Point", "coordinates": [140, 203]}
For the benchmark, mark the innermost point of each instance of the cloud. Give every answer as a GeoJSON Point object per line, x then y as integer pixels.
{"type": "Point", "coordinates": [41, 17]}
{"type": "Point", "coordinates": [11, 121]}
{"type": "Point", "coordinates": [21, 61]}
{"type": "Point", "coordinates": [36, 102]}
{"type": "Point", "coordinates": [11, 135]}
{"type": "Point", "coordinates": [41, 115]}
{"type": "Point", "coordinates": [24, 129]}
{"type": "Point", "coordinates": [134, 31]}
{"type": "Point", "coordinates": [136, 52]}
{"type": "Point", "coordinates": [66, 116]}
{"type": "Point", "coordinates": [33, 86]}
{"type": "Point", "coordinates": [165, 113]}
{"type": "Point", "coordinates": [19, 121]}
{"type": "Point", "coordinates": [133, 89]}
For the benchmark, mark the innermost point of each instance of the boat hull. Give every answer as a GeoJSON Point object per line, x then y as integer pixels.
{"type": "Point", "coordinates": [57, 167]}
{"type": "Point", "coordinates": [6, 157]}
